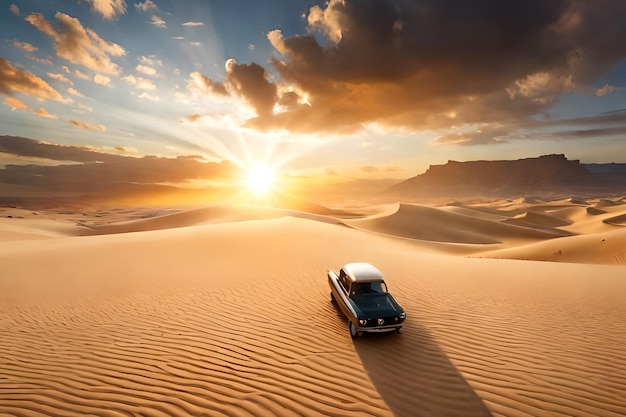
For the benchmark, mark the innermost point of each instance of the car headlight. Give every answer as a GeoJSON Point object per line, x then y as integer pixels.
{"type": "Point", "coordinates": [362, 322]}
{"type": "Point", "coordinates": [403, 315]}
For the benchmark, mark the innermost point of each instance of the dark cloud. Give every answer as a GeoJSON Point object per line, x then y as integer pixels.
{"type": "Point", "coordinates": [610, 124]}
{"type": "Point", "coordinates": [95, 172]}
{"type": "Point", "coordinates": [24, 147]}
{"type": "Point", "coordinates": [432, 64]}
{"type": "Point", "coordinates": [592, 133]}
{"type": "Point", "coordinates": [251, 83]}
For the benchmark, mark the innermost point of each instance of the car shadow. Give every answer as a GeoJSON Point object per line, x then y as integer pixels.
{"type": "Point", "coordinates": [415, 377]}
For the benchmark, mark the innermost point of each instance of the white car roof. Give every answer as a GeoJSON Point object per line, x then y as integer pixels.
{"type": "Point", "coordinates": [363, 272]}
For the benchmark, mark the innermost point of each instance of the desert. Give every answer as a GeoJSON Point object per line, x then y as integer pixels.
{"type": "Point", "coordinates": [514, 309]}
{"type": "Point", "coordinates": [383, 208]}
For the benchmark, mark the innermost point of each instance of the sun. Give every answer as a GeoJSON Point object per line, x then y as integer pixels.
{"type": "Point", "coordinates": [260, 178]}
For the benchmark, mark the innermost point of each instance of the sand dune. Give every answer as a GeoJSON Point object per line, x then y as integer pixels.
{"type": "Point", "coordinates": [432, 224]}
{"type": "Point", "coordinates": [595, 248]}
{"type": "Point", "coordinates": [225, 311]}
{"type": "Point", "coordinates": [207, 215]}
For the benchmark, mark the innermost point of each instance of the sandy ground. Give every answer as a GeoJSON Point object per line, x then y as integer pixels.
{"type": "Point", "coordinates": [515, 308]}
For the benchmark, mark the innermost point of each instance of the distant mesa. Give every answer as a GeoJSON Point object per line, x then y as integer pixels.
{"type": "Point", "coordinates": [536, 177]}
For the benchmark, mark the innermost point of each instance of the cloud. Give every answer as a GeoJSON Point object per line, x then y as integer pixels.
{"type": "Point", "coordinates": [607, 89]}
{"type": "Point", "coordinates": [14, 80]}
{"type": "Point", "coordinates": [249, 82]}
{"type": "Point", "coordinates": [409, 65]}
{"type": "Point", "coordinates": [109, 9]}
{"type": "Point", "coordinates": [24, 46]}
{"type": "Point", "coordinates": [129, 79]}
{"type": "Point", "coordinates": [148, 97]}
{"type": "Point", "coordinates": [60, 77]}
{"type": "Point", "coordinates": [151, 61]}
{"type": "Point", "coordinates": [611, 124]}
{"type": "Point", "coordinates": [146, 6]}
{"type": "Point", "coordinates": [491, 134]}
{"type": "Point", "coordinates": [14, 9]}
{"type": "Point", "coordinates": [44, 61]}
{"type": "Point", "coordinates": [17, 104]}
{"type": "Point", "coordinates": [81, 75]}
{"type": "Point", "coordinates": [95, 171]}
{"type": "Point", "coordinates": [541, 87]}
{"type": "Point", "coordinates": [83, 108]}
{"type": "Point", "coordinates": [201, 84]}
{"type": "Point", "coordinates": [75, 93]}
{"type": "Point", "coordinates": [144, 69]}
{"type": "Point", "coordinates": [158, 22]}
{"type": "Point", "coordinates": [193, 24]}
{"type": "Point", "coordinates": [87, 126]}
{"type": "Point", "coordinates": [41, 112]}
{"type": "Point", "coordinates": [276, 39]}
{"type": "Point", "coordinates": [102, 80]}
{"type": "Point", "coordinates": [145, 84]}
{"type": "Point", "coordinates": [79, 45]}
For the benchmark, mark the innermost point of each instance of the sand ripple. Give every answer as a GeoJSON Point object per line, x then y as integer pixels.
{"type": "Point", "coordinates": [234, 320]}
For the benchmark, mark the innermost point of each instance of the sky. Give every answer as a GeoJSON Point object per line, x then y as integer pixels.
{"type": "Point", "coordinates": [161, 93]}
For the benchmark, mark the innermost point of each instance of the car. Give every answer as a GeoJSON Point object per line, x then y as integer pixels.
{"type": "Point", "coordinates": [360, 292]}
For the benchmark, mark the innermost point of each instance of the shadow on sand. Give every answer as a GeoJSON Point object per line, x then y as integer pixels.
{"type": "Point", "coordinates": [415, 377]}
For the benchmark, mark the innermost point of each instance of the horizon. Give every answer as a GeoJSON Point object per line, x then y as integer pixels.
{"type": "Point", "coordinates": [202, 95]}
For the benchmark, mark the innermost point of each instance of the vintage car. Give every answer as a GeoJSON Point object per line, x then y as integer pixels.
{"type": "Point", "coordinates": [361, 293]}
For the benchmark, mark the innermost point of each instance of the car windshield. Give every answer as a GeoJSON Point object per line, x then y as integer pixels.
{"type": "Point", "coordinates": [377, 287]}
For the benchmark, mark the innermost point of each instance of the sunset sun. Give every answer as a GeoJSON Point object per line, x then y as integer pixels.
{"type": "Point", "coordinates": [260, 178]}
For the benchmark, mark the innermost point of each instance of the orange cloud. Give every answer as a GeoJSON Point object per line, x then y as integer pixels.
{"type": "Point", "coordinates": [75, 92]}
{"type": "Point", "coordinates": [41, 112]}
{"type": "Point", "coordinates": [109, 9]}
{"type": "Point", "coordinates": [102, 80]}
{"type": "Point", "coordinates": [17, 104]}
{"type": "Point", "coordinates": [79, 45]}
{"type": "Point", "coordinates": [81, 75]}
{"type": "Point", "coordinates": [144, 69]}
{"type": "Point", "coordinates": [14, 80]}
{"type": "Point", "coordinates": [607, 89]}
{"type": "Point", "coordinates": [60, 77]}
{"type": "Point", "coordinates": [87, 126]}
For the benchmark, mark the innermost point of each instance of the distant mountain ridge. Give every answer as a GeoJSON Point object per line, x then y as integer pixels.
{"type": "Point", "coordinates": [612, 172]}
{"type": "Point", "coordinates": [546, 174]}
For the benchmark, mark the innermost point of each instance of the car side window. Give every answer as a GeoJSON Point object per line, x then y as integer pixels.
{"type": "Point", "coordinates": [343, 280]}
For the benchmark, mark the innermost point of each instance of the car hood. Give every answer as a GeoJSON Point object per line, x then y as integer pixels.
{"type": "Point", "coordinates": [377, 305]}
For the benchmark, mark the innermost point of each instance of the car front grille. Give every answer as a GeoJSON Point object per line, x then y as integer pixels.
{"type": "Point", "coordinates": [386, 321]}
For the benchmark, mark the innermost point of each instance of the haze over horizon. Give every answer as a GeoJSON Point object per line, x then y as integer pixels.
{"type": "Point", "coordinates": [320, 92]}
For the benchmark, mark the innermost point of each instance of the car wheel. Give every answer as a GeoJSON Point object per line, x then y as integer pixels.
{"type": "Point", "coordinates": [332, 298]}
{"type": "Point", "coordinates": [398, 329]}
{"type": "Point", "coordinates": [353, 332]}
